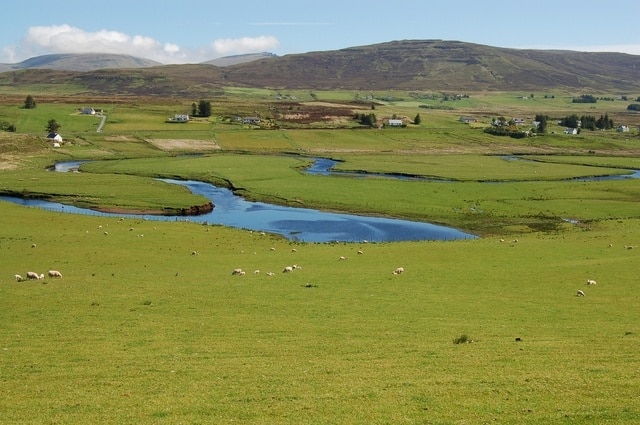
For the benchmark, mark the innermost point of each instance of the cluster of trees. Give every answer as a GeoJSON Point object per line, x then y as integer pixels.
{"type": "Point", "coordinates": [503, 127]}
{"type": "Point", "coordinates": [201, 109]}
{"type": "Point", "coordinates": [367, 119]}
{"type": "Point", "coordinates": [634, 107]}
{"type": "Point", "coordinates": [585, 98]}
{"type": "Point", "coordinates": [588, 122]}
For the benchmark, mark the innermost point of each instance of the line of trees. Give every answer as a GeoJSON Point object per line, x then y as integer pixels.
{"type": "Point", "coordinates": [588, 122]}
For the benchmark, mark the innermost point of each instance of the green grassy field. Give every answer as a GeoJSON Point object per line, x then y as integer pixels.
{"type": "Point", "coordinates": [140, 329]}
{"type": "Point", "coordinates": [148, 324]}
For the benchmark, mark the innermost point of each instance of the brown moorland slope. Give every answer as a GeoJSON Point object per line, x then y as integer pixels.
{"type": "Point", "coordinates": [433, 65]}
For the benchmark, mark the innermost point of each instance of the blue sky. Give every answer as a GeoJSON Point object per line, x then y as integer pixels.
{"type": "Point", "coordinates": [192, 32]}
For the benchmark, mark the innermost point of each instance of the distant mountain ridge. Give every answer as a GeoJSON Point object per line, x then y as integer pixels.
{"type": "Point", "coordinates": [81, 62]}
{"type": "Point", "coordinates": [238, 59]}
{"type": "Point", "coordinates": [420, 65]}
{"type": "Point", "coordinates": [84, 62]}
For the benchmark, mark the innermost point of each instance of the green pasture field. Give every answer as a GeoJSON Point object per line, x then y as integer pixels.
{"type": "Point", "coordinates": [148, 325]}
{"type": "Point", "coordinates": [35, 120]}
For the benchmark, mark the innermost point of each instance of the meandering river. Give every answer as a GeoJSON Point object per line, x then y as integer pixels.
{"type": "Point", "coordinates": [297, 224]}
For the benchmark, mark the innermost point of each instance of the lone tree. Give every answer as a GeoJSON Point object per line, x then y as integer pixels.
{"type": "Point", "coordinates": [29, 103]}
{"type": "Point", "coordinates": [53, 126]}
{"type": "Point", "coordinates": [417, 120]}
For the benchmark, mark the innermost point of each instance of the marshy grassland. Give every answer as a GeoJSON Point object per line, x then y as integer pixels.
{"type": "Point", "coordinates": [148, 324]}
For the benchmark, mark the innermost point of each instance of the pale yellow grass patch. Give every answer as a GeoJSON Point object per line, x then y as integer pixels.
{"type": "Point", "coordinates": [184, 144]}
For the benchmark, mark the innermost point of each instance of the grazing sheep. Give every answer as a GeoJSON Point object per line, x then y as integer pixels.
{"type": "Point", "coordinates": [580, 293]}
{"type": "Point", "coordinates": [239, 272]}
{"type": "Point", "coordinates": [256, 271]}
{"type": "Point", "coordinates": [19, 278]}
{"type": "Point", "coordinates": [591, 282]}
{"type": "Point", "coordinates": [41, 277]}
{"type": "Point", "coordinates": [32, 275]}
{"type": "Point", "coordinates": [54, 273]}
{"type": "Point", "coordinates": [342, 258]}
{"type": "Point", "coordinates": [270, 273]}
{"type": "Point", "coordinates": [33, 245]}
{"type": "Point", "coordinates": [287, 269]}
{"type": "Point", "coordinates": [195, 253]}
{"type": "Point", "coordinates": [294, 250]}
{"type": "Point", "coordinates": [399, 270]}
{"type": "Point", "coordinates": [360, 252]}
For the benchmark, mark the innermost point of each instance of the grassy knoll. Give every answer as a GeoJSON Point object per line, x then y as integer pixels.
{"type": "Point", "coordinates": [140, 330]}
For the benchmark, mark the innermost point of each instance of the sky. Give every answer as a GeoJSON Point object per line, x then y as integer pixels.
{"type": "Point", "coordinates": [196, 31]}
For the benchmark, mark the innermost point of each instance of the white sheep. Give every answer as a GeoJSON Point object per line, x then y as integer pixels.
{"type": "Point", "coordinates": [54, 273]}
{"type": "Point", "coordinates": [239, 272]}
{"type": "Point", "coordinates": [256, 271]}
{"type": "Point", "coordinates": [19, 278]}
{"type": "Point", "coordinates": [270, 273]}
{"type": "Point", "coordinates": [580, 293]}
{"type": "Point", "coordinates": [287, 269]}
{"type": "Point", "coordinates": [32, 275]}
{"type": "Point", "coordinates": [591, 282]}
{"type": "Point", "coordinates": [41, 277]}
{"type": "Point", "coordinates": [342, 258]}
{"type": "Point", "coordinates": [399, 270]}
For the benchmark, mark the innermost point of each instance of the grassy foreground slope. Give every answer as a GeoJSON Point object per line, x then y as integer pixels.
{"type": "Point", "coordinates": [141, 329]}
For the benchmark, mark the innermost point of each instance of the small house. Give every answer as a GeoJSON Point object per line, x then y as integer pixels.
{"type": "Point", "coordinates": [87, 111]}
{"type": "Point", "coordinates": [179, 118]}
{"type": "Point", "coordinates": [519, 121]}
{"type": "Point", "coordinates": [54, 137]}
{"type": "Point", "coordinates": [622, 129]}
{"type": "Point", "coordinates": [468, 120]}
{"type": "Point", "coordinates": [395, 123]}
{"type": "Point", "coordinates": [571, 131]}
{"type": "Point", "coordinates": [251, 120]}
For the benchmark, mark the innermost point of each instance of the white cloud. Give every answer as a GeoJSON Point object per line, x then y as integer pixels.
{"type": "Point", "coordinates": [41, 40]}
{"type": "Point", "coordinates": [234, 46]}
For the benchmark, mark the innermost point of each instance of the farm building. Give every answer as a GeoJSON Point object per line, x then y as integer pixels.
{"type": "Point", "coordinates": [87, 111]}
{"type": "Point", "coordinates": [622, 129]}
{"type": "Point", "coordinates": [395, 123]}
{"type": "Point", "coordinates": [54, 137]}
{"type": "Point", "coordinates": [571, 131]}
{"type": "Point", "coordinates": [468, 120]}
{"type": "Point", "coordinates": [251, 120]}
{"type": "Point", "coordinates": [181, 118]}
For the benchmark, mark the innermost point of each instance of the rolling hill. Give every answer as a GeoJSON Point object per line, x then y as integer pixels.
{"type": "Point", "coordinates": [427, 65]}
{"type": "Point", "coordinates": [81, 62]}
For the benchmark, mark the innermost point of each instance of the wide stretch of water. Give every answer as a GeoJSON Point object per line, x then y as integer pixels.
{"type": "Point", "coordinates": [299, 224]}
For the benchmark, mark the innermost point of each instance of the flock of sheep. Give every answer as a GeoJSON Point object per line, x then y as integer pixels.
{"type": "Point", "coordinates": [291, 268]}
{"type": "Point", "coordinates": [35, 276]}
{"type": "Point", "coordinates": [580, 292]}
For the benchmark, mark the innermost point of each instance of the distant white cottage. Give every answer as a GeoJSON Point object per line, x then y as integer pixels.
{"type": "Point", "coordinates": [55, 137]}
{"type": "Point", "coordinates": [571, 131]}
{"type": "Point", "coordinates": [395, 123]}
